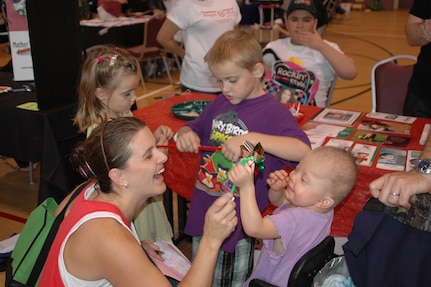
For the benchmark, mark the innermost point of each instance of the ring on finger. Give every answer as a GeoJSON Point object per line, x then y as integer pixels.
{"type": "Point", "coordinates": [395, 194]}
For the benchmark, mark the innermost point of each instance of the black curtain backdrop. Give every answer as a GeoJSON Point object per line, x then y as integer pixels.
{"type": "Point", "coordinates": [56, 50]}
{"type": "Point", "coordinates": [56, 53]}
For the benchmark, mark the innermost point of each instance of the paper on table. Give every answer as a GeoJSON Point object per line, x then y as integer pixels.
{"type": "Point", "coordinates": [176, 264]}
{"type": "Point", "coordinates": [316, 140]}
{"type": "Point", "coordinates": [313, 128]}
{"type": "Point", "coordinates": [425, 133]}
{"type": "Point", "coordinates": [392, 117]}
{"type": "Point", "coordinates": [8, 245]}
{"type": "Point", "coordinates": [31, 106]}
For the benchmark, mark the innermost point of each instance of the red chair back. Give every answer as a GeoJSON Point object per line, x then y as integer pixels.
{"type": "Point", "coordinates": [389, 84]}
{"type": "Point", "coordinates": [152, 29]}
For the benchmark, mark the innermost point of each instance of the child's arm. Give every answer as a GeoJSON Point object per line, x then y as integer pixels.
{"type": "Point", "coordinates": [252, 221]}
{"type": "Point", "coordinates": [277, 182]}
{"type": "Point", "coordinates": [344, 66]}
{"type": "Point", "coordinates": [163, 134]}
{"type": "Point", "coordinates": [187, 140]}
{"type": "Point", "coordinates": [284, 147]}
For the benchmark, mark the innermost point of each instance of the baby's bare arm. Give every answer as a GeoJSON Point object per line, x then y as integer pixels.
{"type": "Point", "coordinates": [253, 223]}
{"type": "Point", "coordinates": [277, 182]}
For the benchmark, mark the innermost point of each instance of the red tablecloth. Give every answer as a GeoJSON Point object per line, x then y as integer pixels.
{"type": "Point", "coordinates": [181, 168]}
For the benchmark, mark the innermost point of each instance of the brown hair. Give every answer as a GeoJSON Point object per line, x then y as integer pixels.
{"type": "Point", "coordinates": [110, 141]}
{"type": "Point", "coordinates": [236, 46]}
{"type": "Point", "coordinates": [102, 68]}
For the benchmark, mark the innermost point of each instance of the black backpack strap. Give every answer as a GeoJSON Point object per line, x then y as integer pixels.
{"type": "Point", "coordinates": [41, 259]}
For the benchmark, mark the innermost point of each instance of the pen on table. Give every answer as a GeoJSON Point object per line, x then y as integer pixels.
{"type": "Point", "coordinates": [201, 148]}
{"type": "Point", "coordinates": [165, 97]}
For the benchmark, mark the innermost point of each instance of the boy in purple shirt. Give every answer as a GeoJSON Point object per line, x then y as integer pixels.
{"type": "Point", "coordinates": [242, 112]}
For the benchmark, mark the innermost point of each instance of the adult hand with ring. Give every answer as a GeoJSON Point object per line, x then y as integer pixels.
{"type": "Point", "coordinates": [395, 189]}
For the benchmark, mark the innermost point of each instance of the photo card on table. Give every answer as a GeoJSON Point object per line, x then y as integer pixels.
{"type": "Point", "coordinates": [364, 154]}
{"type": "Point", "coordinates": [397, 141]}
{"type": "Point", "coordinates": [384, 126]}
{"type": "Point", "coordinates": [392, 159]}
{"type": "Point", "coordinates": [391, 117]}
{"type": "Point", "coordinates": [316, 140]}
{"type": "Point", "coordinates": [369, 137]}
{"type": "Point", "coordinates": [339, 143]}
{"type": "Point", "coordinates": [314, 128]}
{"type": "Point", "coordinates": [380, 139]}
{"type": "Point", "coordinates": [412, 159]}
{"type": "Point", "coordinates": [337, 117]}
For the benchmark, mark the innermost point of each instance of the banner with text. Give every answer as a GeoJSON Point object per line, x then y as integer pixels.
{"type": "Point", "coordinates": [19, 40]}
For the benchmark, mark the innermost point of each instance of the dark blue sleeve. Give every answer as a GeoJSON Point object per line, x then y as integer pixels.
{"type": "Point", "coordinates": [421, 9]}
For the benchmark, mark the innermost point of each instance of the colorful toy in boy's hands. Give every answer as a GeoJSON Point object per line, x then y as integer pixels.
{"type": "Point", "coordinates": [254, 153]}
{"type": "Point", "coordinates": [251, 153]}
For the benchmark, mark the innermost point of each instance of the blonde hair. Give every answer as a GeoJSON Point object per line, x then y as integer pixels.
{"type": "Point", "coordinates": [342, 170]}
{"type": "Point", "coordinates": [236, 46]}
{"type": "Point", "coordinates": [103, 68]}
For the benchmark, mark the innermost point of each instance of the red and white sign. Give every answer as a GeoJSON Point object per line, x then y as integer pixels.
{"type": "Point", "coordinates": [19, 40]}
